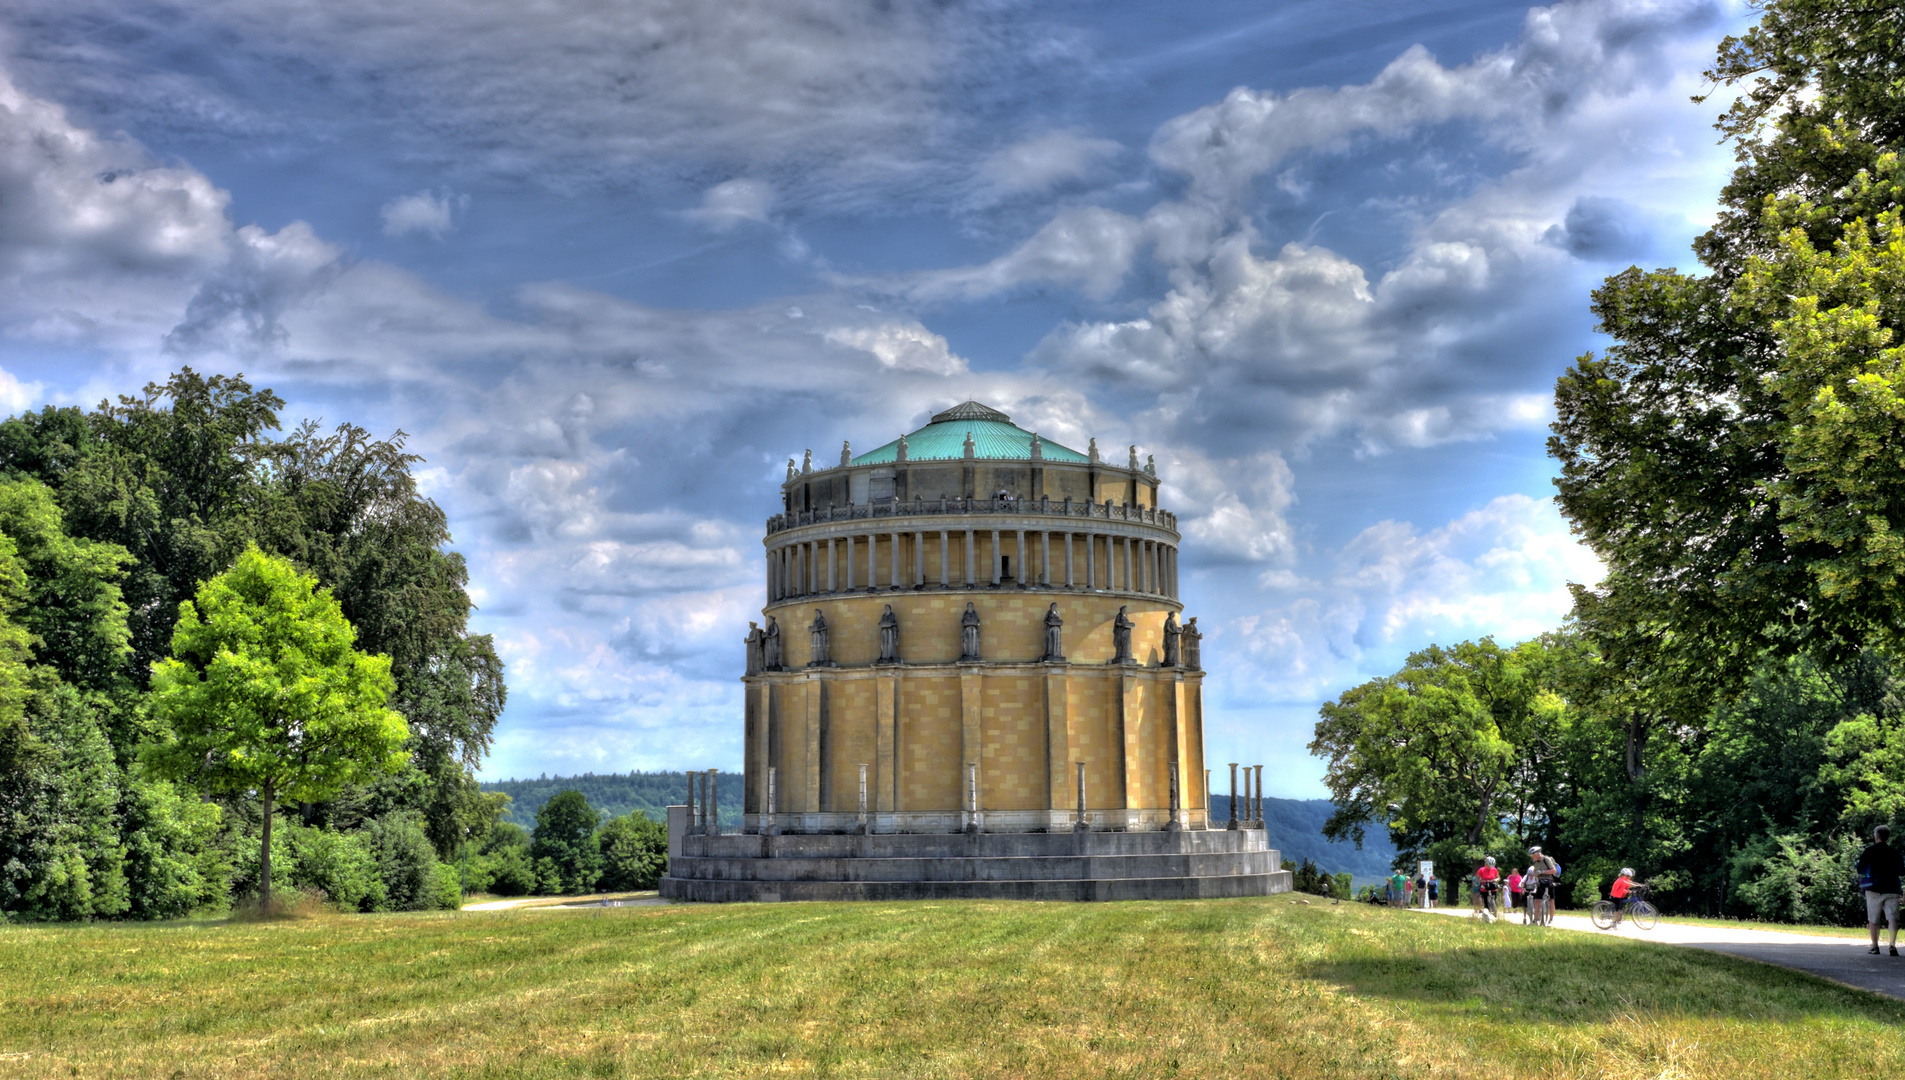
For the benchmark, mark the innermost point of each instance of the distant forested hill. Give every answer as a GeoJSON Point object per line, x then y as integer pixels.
{"type": "Point", "coordinates": [1296, 828]}
{"type": "Point", "coordinates": [1295, 825]}
{"type": "Point", "coordinates": [617, 794]}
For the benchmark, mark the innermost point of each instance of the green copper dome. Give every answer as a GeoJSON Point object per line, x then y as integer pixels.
{"type": "Point", "coordinates": [994, 438]}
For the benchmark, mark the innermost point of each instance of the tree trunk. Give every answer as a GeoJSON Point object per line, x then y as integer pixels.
{"type": "Point", "coordinates": [264, 853]}
{"type": "Point", "coordinates": [1636, 739]}
{"type": "Point", "coordinates": [1480, 827]}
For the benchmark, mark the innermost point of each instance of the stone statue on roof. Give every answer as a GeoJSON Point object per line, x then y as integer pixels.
{"type": "Point", "coordinates": [846, 452]}
{"type": "Point", "coordinates": [807, 463]}
{"type": "Point", "coordinates": [1134, 457]}
{"type": "Point", "coordinates": [902, 449]}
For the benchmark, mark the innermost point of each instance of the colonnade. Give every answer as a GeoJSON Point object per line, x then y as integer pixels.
{"type": "Point", "coordinates": [1091, 560]}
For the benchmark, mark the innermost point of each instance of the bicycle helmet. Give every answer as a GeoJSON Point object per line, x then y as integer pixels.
{"type": "Point", "coordinates": [1627, 871]}
{"type": "Point", "coordinates": [1536, 850]}
{"type": "Point", "coordinates": [1490, 861]}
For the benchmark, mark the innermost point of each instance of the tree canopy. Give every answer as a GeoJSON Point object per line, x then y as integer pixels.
{"type": "Point", "coordinates": [266, 692]}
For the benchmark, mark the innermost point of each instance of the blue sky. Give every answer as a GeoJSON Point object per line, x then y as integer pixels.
{"type": "Point", "coordinates": [610, 265]}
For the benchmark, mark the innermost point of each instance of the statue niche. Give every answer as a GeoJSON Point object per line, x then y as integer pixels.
{"type": "Point", "coordinates": [817, 633]}
{"type": "Point", "coordinates": [1171, 633]}
{"type": "Point", "coordinates": [1054, 636]}
{"type": "Point", "coordinates": [969, 634]}
{"type": "Point", "coordinates": [889, 636]}
{"type": "Point", "coordinates": [1121, 639]}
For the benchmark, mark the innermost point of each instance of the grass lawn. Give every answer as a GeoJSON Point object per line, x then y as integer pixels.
{"type": "Point", "coordinates": [1238, 988]}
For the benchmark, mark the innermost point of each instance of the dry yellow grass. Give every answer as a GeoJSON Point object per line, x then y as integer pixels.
{"type": "Point", "coordinates": [1245, 988]}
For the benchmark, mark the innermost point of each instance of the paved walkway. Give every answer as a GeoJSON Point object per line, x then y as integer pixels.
{"type": "Point", "coordinates": [1841, 959]}
{"type": "Point", "coordinates": [555, 903]}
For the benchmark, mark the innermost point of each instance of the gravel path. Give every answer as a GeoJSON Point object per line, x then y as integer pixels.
{"type": "Point", "coordinates": [1843, 960]}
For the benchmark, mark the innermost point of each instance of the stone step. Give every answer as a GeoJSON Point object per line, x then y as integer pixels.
{"type": "Point", "coordinates": [965, 868]}
{"type": "Point", "coordinates": [1076, 889]}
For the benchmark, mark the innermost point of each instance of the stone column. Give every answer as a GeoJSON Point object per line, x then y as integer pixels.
{"type": "Point", "coordinates": [1068, 560]}
{"type": "Point", "coordinates": [1129, 563]}
{"type": "Point", "coordinates": [1233, 797]}
{"type": "Point", "coordinates": [714, 806]}
{"type": "Point", "coordinates": [1045, 557]}
{"type": "Point", "coordinates": [995, 558]}
{"type": "Point", "coordinates": [1091, 560]}
{"type": "Point", "coordinates": [1083, 822]}
{"type": "Point", "coordinates": [886, 742]}
{"type": "Point", "coordinates": [1020, 578]}
{"type": "Point", "coordinates": [945, 554]}
{"type": "Point", "coordinates": [1173, 826]}
{"type": "Point", "coordinates": [830, 563]}
{"type": "Point", "coordinates": [862, 824]}
{"type": "Point", "coordinates": [873, 561]}
{"type": "Point", "coordinates": [773, 796]}
{"type": "Point", "coordinates": [849, 562]}
{"type": "Point", "coordinates": [919, 558]}
{"type": "Point", "coordinates": [1258, 817]}
{"type": "Point", "coordinates": [969, 556]}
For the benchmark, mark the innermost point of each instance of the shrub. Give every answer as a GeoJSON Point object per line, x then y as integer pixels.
{"type": "Point", "coordinates": [447, 893]}
{"type": "Point", "coordinates": [339, 865]}
{"type": "Point", "coordinates": [406, 861]}
{"type": "Point", "coordinates": [634, 852]}
{"type": "Point", "coordinates": [1784, 879]}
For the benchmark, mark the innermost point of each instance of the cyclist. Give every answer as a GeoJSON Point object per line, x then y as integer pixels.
{"type": "Point", "coordinates": [1488, 883]}
{"type": "Point", "coordinates": [1622, 886]}
{"type": "Point", "coordinates": [1546, 872]}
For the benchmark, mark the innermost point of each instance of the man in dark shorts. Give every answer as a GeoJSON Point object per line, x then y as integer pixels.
{"type": "Point", "coordinates": [1541, 897]}
{"type": "Point", "coordinates": [1880, 869]}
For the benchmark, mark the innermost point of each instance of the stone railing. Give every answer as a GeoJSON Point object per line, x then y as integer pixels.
{"type": "Point", "coordinates": [1105, 511]}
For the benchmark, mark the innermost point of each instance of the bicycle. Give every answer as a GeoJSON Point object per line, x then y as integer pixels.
{"type": "Point", "coordinates": [1643, 914]}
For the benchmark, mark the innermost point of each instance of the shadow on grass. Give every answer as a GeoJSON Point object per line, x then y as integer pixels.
{"type": "Point", "coordinates": [1570, 979]}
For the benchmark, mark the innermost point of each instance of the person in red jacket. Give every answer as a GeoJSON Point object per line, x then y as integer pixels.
{"type": "Point", "coordinates": [1488, 883]}
{"type": "Point", "coordinates": [1622, 886]}
{"type": "Point", "coordinates": [1515, 897]}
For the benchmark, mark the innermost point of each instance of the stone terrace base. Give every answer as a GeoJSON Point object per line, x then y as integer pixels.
{"type": "Point", "coordinates": [1193, 864]}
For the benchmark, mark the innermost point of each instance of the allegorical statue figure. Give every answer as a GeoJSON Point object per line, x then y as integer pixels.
{"type": "Point", "coordinates": [1054, 634]}
{"type": "Point", "coordinates": [1193, 644]}
{"type": "Point", "coordinates": [771, 645]}
{"type": "Point", "coordinates": [1171, 633]}
{"type": "Point", "coordinates": [1121, 638]}
{"type": "Point", "coordinates": [889, 636]}
{"type": "Point", "coordinates": [969, 634]}
{"type": "Point", "coordinates": [817, 631]}
{"type": "Point", "coordinates": [756, 660]}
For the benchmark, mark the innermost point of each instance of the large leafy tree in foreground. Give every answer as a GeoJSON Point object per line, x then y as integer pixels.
{"type": "Point", "coordinates": [1732, 456]}
{"type": "Point", "coordinates": [265, 692]}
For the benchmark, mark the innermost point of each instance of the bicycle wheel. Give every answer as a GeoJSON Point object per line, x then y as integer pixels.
{"type": "Point", "coordinates": [1603, 915]}
{"type": "Point", "coordinates": [1644, 914]}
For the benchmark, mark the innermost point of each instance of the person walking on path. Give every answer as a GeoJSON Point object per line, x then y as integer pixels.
{"type": "Point", "coordinates": [1879, 871]}
{"type": "Point", "coordinates": [1514, 893]}
{"type": "Point", "coordinates": [1398, 890]}
{"type": "Point", "coordinates": [1546, 872]}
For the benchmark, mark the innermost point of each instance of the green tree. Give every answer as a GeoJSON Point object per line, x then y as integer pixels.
{"type": "Point", "coordinates": [634, 852]}
{"type": "Point", "coordinates": [1438, 751]}
{"type": "Point", "coordinates": [1725, 456]}
{"type": "Point", "coordinates": [265, 692]}
{"type": "Point", "coordinates": [565, 836]}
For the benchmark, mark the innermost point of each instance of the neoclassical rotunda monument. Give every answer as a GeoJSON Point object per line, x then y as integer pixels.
{"type": "Point", "coordinates": [971, 678]}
